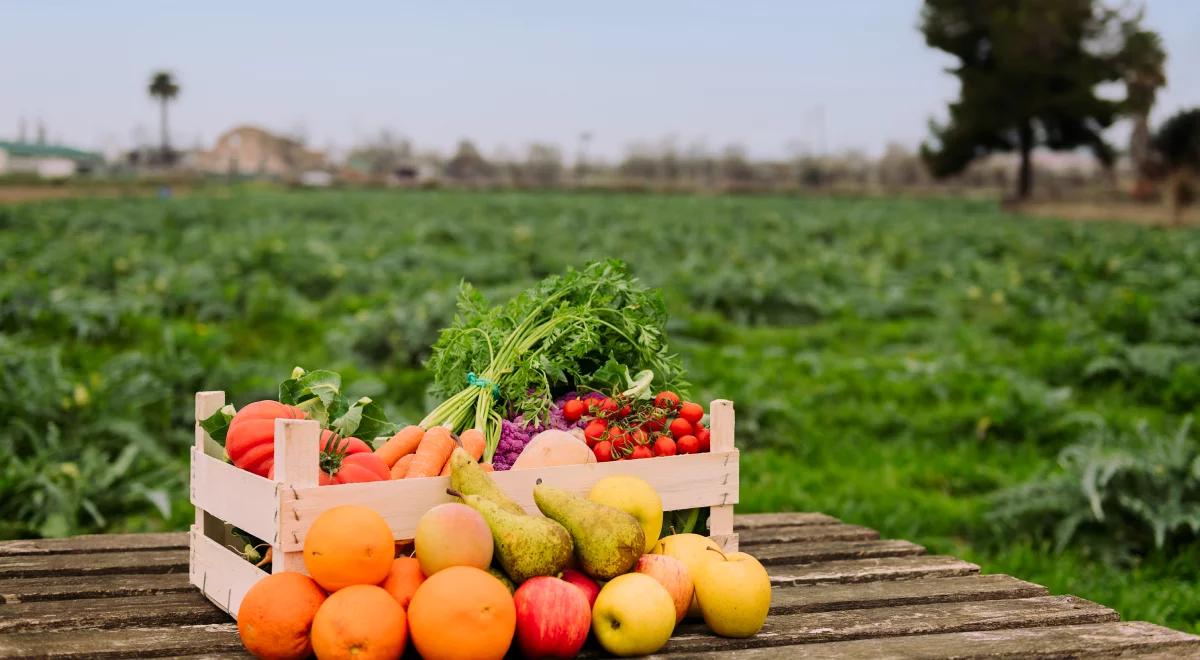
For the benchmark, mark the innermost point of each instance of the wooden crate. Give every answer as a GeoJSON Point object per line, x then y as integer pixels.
{"type": "Point", "coordinates": [280, 511]}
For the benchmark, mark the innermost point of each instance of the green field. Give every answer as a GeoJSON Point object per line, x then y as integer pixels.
{"type": "Point", "coordinates": [894, 363]}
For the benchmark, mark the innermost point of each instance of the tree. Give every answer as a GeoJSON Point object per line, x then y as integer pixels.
{"type": "Point", "coordinates": [1028, 70]}
{"type": "Point", "coordinates": [1176, 146]}
{"type": "Point", "coordinates": [467, 165]}
{"type": "Point", "coordinates": [544, 165]}
{"type": "Point", "coordinates": [1143, 71]}
{"type": "Point", "coordinates": [164, 88]}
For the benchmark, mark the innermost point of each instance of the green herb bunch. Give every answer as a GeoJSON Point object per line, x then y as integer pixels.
{"type": "Point", "coordinates": [564, 332]}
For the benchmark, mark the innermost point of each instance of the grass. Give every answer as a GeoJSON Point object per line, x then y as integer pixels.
{"type": "Point", "coordinates": [894, 363]}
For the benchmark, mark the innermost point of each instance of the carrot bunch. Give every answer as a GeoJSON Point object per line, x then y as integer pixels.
{"type": "Point", "coordinates": [415, 452]}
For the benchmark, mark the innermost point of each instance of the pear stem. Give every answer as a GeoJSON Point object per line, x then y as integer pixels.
{"type": "Point", "coordinates": [718, 552]}
{"type": "Point", "coordinates": [454, 493]}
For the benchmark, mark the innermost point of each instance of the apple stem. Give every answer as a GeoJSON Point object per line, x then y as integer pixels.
{"type": "Point", "coordinates": [538, 482]}
{"type": "Point", "coordinates": [718, 552]}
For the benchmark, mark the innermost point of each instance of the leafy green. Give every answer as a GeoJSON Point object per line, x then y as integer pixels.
{"type": "Point", "coordinates": [319, 394]}
{"type": "Point", "coordinates": [557, 335]}
{"type": "Point", "coordinates": [217, 426]}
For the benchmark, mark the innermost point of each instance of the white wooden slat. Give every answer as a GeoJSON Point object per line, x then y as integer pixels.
{"type": "Point", "coordinates": [207, 403]}
{"type": "Point", "coordinates": [223, 575]}
{"type": "Point", "coordinates": [297, 464]}
{"type": "Point", "coordinates": [720, 517]}
{"type": "Point", "coordinates": [683, 482]}
{"type": "Point", "coordinates": [240, 498]}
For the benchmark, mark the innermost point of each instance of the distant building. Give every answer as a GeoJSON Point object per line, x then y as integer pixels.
{"type": "Point", "coordinates": [46, 160]}
{"type": "Point", "coordinates": [252, 151]}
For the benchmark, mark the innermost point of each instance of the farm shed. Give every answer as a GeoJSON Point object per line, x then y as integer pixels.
{"type": "Point", "coordinates": [45, 160]}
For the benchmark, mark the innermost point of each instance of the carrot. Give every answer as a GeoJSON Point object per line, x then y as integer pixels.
{"type": "Point", "coordinates": [445, 469]}
{"type": "Point", "coordinates": [403, 443]}
{"type": "Point", "coordinates": [400, 469]}
{"type": "Point", "coordinates": [432, 453]}
{"type": "Point", "coordinates": [472, 441]}
{"type": "Point", "coordinates": [487, 467]}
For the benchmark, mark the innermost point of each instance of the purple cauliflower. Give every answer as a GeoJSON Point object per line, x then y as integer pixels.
{"type": "Point", "coordinates": [515, 433]}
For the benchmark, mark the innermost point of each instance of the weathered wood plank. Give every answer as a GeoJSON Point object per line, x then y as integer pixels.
{"type": "Point", "coordinates": [833, 597]}
{"type": "Point", "coordinates": [220, 638]}
{"type": "Point", "coordinates": [746, 521]}
{"type": "Point", "coordinates": [99, 563]}
{"type": "Point", "coordinates": [92, 543]}
{"type": "Point", "coordinates": [871, 570]}
{"type": "Point", "coordinates": [807, 534]}
{"type": "Point", "coordinates": [30, 590]}
{"type": "Point", "coordinates": [186, 608]}
{"type": "Point", "coordinates": [806, 553]}
{"type": "Point", "coordinates": [927, 619]}
{"type": "Point", "coordinates": [1137, 639]}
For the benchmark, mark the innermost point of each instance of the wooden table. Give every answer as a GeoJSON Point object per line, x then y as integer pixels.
{"type": "Point", "coordinates": [840, 592]}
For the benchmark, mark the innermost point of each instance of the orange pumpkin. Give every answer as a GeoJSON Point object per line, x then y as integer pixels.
{"type": "Point", "coordinates": [250, 440]}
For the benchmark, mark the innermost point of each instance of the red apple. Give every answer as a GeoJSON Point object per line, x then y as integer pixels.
{"type": "Point", "coordinates": [553, 618]}
{"type": "Point", "coordinates": [671, 574]}
{"type": "Point", "coordinates": [587, 584]}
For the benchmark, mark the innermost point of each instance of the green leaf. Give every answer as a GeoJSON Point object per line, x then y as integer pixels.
{"type": "Point", "coordinates": [217, 426]}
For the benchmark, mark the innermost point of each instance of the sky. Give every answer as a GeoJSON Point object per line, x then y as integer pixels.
{"type": "Point", "coordinates": [775, 77]}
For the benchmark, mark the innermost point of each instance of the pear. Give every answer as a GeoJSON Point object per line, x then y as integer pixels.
{"type": "Point", "coordinates": [469, 479]}
{"type": "Point", "coordinates": [526, 546]}
{"type": "Point", "coordinates": [607, 540]}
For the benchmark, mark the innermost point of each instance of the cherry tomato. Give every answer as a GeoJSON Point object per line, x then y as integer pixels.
{"type": "Point", "coordinates": [680, 427]}
{"type": "Point", "coordinates": [595, 430]}
{"type": "Point", "coordinates": [664, 446]}
{"type": "Point", "coordinates": [692, 412]}
{"type": "Point", "coordinates": [604, 407]}
{"type": "Point", "coordinates": [603, 451]}
{"type": "Point", "coordinates": [654, 424]}
{"type": "Point", "coordinates": [667, 399]}
{"type": "Point", "coordinates": [688, 444]}
{"type": "Point", "coordinates": [639, 437]}
{"type": "Point", "coordinates": [703, 437]}
{"type": "Point", "coordinates": [620, 439]}
{"type": "Point", "coordinates": [573, 410]}
{"type": "Point", "coordinates": [624, 411]}
{"type": "Point", "coordinates": [641, 451]}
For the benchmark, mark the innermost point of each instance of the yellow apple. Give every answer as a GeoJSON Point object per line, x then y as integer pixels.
{"type": "Point", "coordinates": [671, 574]}
{"type": "Point", "coordinates": [635, 497]}
{"type": "Point", "coordinates": [691, 549]}
{"type": "Point", "coordinates": [633, 615]}
{"type": "Point", "coordinates": [734, 593]}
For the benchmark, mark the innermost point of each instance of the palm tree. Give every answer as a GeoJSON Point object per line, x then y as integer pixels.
{"type": "Point", "coordinates": [164, 88]}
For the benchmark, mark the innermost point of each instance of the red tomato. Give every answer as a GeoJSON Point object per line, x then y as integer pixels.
{"type": "Point", "coordinates": [573, 410]}
{"type": "Point", "coordinates": [603, 407]}
{"type": "Point", "coordinates": [655, 423]}
{"type": "Point", "coordinates": [641, 451]}
{"type": "Point", "coordinates": [680, 427]}
{"type": "Point", "coordinates": [692, 412]}
{"type": "Point", "coordinates": [624, 411]}
{"type": "Point", "coordinates": [688, 444]}
{"type": "Point", "coordinates": [357, 468]}
{"type": "Point", "coordinates": [703, 437]}
{"type": "Point", "coordinates": [250, 440]}
{"type": "Point", "coordinates": [639, 437]}
{"type": "Point", "coordinates": [664, 446]}
{"type": "Point", "coordinates": [603, 451]}
{"type": "Point", "coordinates": [621, 441]}
{"type": "Point", "coordinates": [667, 399]}
{"type": "Point", "coordinates": [595, 430]}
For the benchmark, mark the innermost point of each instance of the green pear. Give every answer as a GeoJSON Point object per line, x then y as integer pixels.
{"type": "Point", "coordinates": [499, 574]}
{"type": "Point", "coordinates": [469, 479]}
{"type": "Point", "coordinates": [526, 546]}
{"type": "Point", "coordinates": [607, 540]}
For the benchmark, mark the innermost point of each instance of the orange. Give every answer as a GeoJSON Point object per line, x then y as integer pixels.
{"type": "Point", "coordinates": [361, 621]}
{"type": "Point", "coordinates": [404, 578]}
{"type": "Point", "coordinates": [348, 545]}
{"type": "Point", "coordinates": [276, 614]}
{"type": "Point", "coordinates": [464, 613]}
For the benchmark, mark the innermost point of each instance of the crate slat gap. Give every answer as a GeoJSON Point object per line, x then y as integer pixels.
{"type": "Point", "coordinates": [281, 510]}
